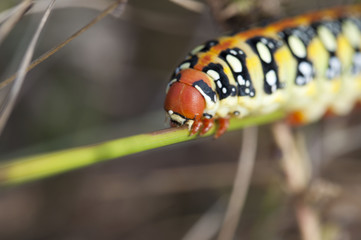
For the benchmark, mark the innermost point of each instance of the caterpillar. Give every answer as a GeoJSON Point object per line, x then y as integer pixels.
{"type": "Point", "coordinates": [306, 66]}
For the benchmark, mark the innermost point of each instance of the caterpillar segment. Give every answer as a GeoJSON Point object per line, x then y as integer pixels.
{"type": "Point", "coordinates": [306, 66]}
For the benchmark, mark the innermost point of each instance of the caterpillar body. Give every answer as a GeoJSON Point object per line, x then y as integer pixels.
{"type": "Point", "coordinates": [306, 66]}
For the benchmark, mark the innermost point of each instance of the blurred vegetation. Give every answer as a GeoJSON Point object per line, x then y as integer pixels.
{"type": "Point", "coordinates": [110, 83]}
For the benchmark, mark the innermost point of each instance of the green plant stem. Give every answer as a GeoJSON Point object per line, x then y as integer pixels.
{"type": "Point", "coordinates": [31, 168]}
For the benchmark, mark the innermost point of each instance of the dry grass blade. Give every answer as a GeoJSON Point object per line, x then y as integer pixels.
{"type": "Point", "coordinates": [241, 183]}
{"type": "Point", "coordinates": [297, 180]}
{"type": "Point", "coordinates": [15, 89]}
{"type": "Point", "coordinates": [12, 17]}
{"type": "Point", "coordinates": [207, 226]}
{"type": "Point", "coordinates": [43, 57]}
{"type": "Point", "coordinates": [41, 5]}
{"type": "Point", "coordinates": [292, 163]}
{"type": "Point", "coordinates": [190, 5]}
{"type": "Point", "coordinates": [8, 13]}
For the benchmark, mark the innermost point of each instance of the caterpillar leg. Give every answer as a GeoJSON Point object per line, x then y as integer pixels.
{"type": "Point", "coordinates": [223, 124]}
{"type": "Point", "coordinates": [207, 125]}
{"type": "Point", "coordinates": [295, 118]}
{"type": "Point", "coordinates": [197, 124]}
{"type": "Point", "coordinates": [202, 126]}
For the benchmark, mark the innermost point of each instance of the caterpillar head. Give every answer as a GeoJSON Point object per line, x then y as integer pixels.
{"type": "Point", "coordinates": [184, 103]}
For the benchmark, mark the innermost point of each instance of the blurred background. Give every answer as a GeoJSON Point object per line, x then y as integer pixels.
{"type": "Point", "coordinates": [110, 83]}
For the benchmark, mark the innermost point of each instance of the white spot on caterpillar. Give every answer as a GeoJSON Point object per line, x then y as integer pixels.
{"type": "Point", "coordinates": [235, 64]}
{"type": "Point", "coordinates": [300, 80]}
{"type": "Point", "coordinates": [327, 38]}
{"type": "Point", "coordinates": [224, 90]}
{"type": "Point", "coordinates": [352, 33]}
{"type": "Point", "coordinates": [240, 80]}
{"type": "Point", "coordinates": [185, 65]}
{"type": "Point", "coordinates": [271, 78]}
{"type": "Point", "coordinates": [264, 52]}
{"type": "Point", "coordinates": [219, 84]}
{"type": "Point", "coordinates": [297, 46]}
{"type": "Point", "coordinates": [170, 112]}
{"type": "Point", "coordinates": [247, 90]}
{"type": "Point", "coordinates": [306, 69]}
{"type": "Point", "coordinates": [264, 40]}
{"type": "Point", "coordinates": [248, 83]}
{"type": "Point", "coordinates": [233, 52]}
{"type": "Point", "coordinates": [213, 74]}
{"type": "Point", "coordinates": [334, 69]}
{"type": "Point", "coordinates": [197, 49]}
{"type": "Point", "coordinates": [251, 94]}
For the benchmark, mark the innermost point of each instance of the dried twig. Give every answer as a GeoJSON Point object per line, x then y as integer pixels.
{"type": "Point", "coordinates": [191, 5]}
{"type": "Point", "coordinates": [241, 184]}
{"type": "Point", "coordinates": [15, 89]}
{"type": "Point", "coordinates": [297, 180]}
{"type": "Point", "coordinates": [9, 19]}
{"type": "Point", "coordinates": [41, 5]}
{"type": "Point", "coordinates": [46, 55]}
{"type": "Point", "coordinates": [209, 223]}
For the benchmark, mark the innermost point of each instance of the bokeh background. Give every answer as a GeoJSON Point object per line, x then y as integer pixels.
{"type": "Point", "coordinates": [109, 83]}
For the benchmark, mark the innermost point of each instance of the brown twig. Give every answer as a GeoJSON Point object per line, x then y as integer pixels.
{"type": "Point", "coordinates": [15, 88]}
{"type": "Point", "coordinates": [10, 20]}
{"type": "Point", "coordinates": [64, 43]}
{"type": "Point", "coordinates": [191, 5]}
{"type": "Point", "coordinates": [297, 180]}
{"type": "Point", "coordinates": [241, 184]}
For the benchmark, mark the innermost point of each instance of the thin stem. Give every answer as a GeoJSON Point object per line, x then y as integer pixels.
{"type": "Point", "coordinates": [15, 88]}
{"type": "Point", "coordinates": [297, 180]}
{"type": "Point", "coordinates": [241, 184]}
{"type": "Point", "coordinates": [308, 221]}
{"type": "Point", "coordinates": [44, 165]}
{"type": "Point", "coordinates": [291, 161]}
{"type": "Point", "coordinates": [10, 20]}
{"type": "Point", "coordinates": [191, 5]}
{"type": "Point", "coordinates": [46, 55]}
{"type": "Point", "coordinates": [209, 223]}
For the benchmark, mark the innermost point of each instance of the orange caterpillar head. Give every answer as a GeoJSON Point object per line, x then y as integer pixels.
{"type": "Point", "coordinates": [184, 102]}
